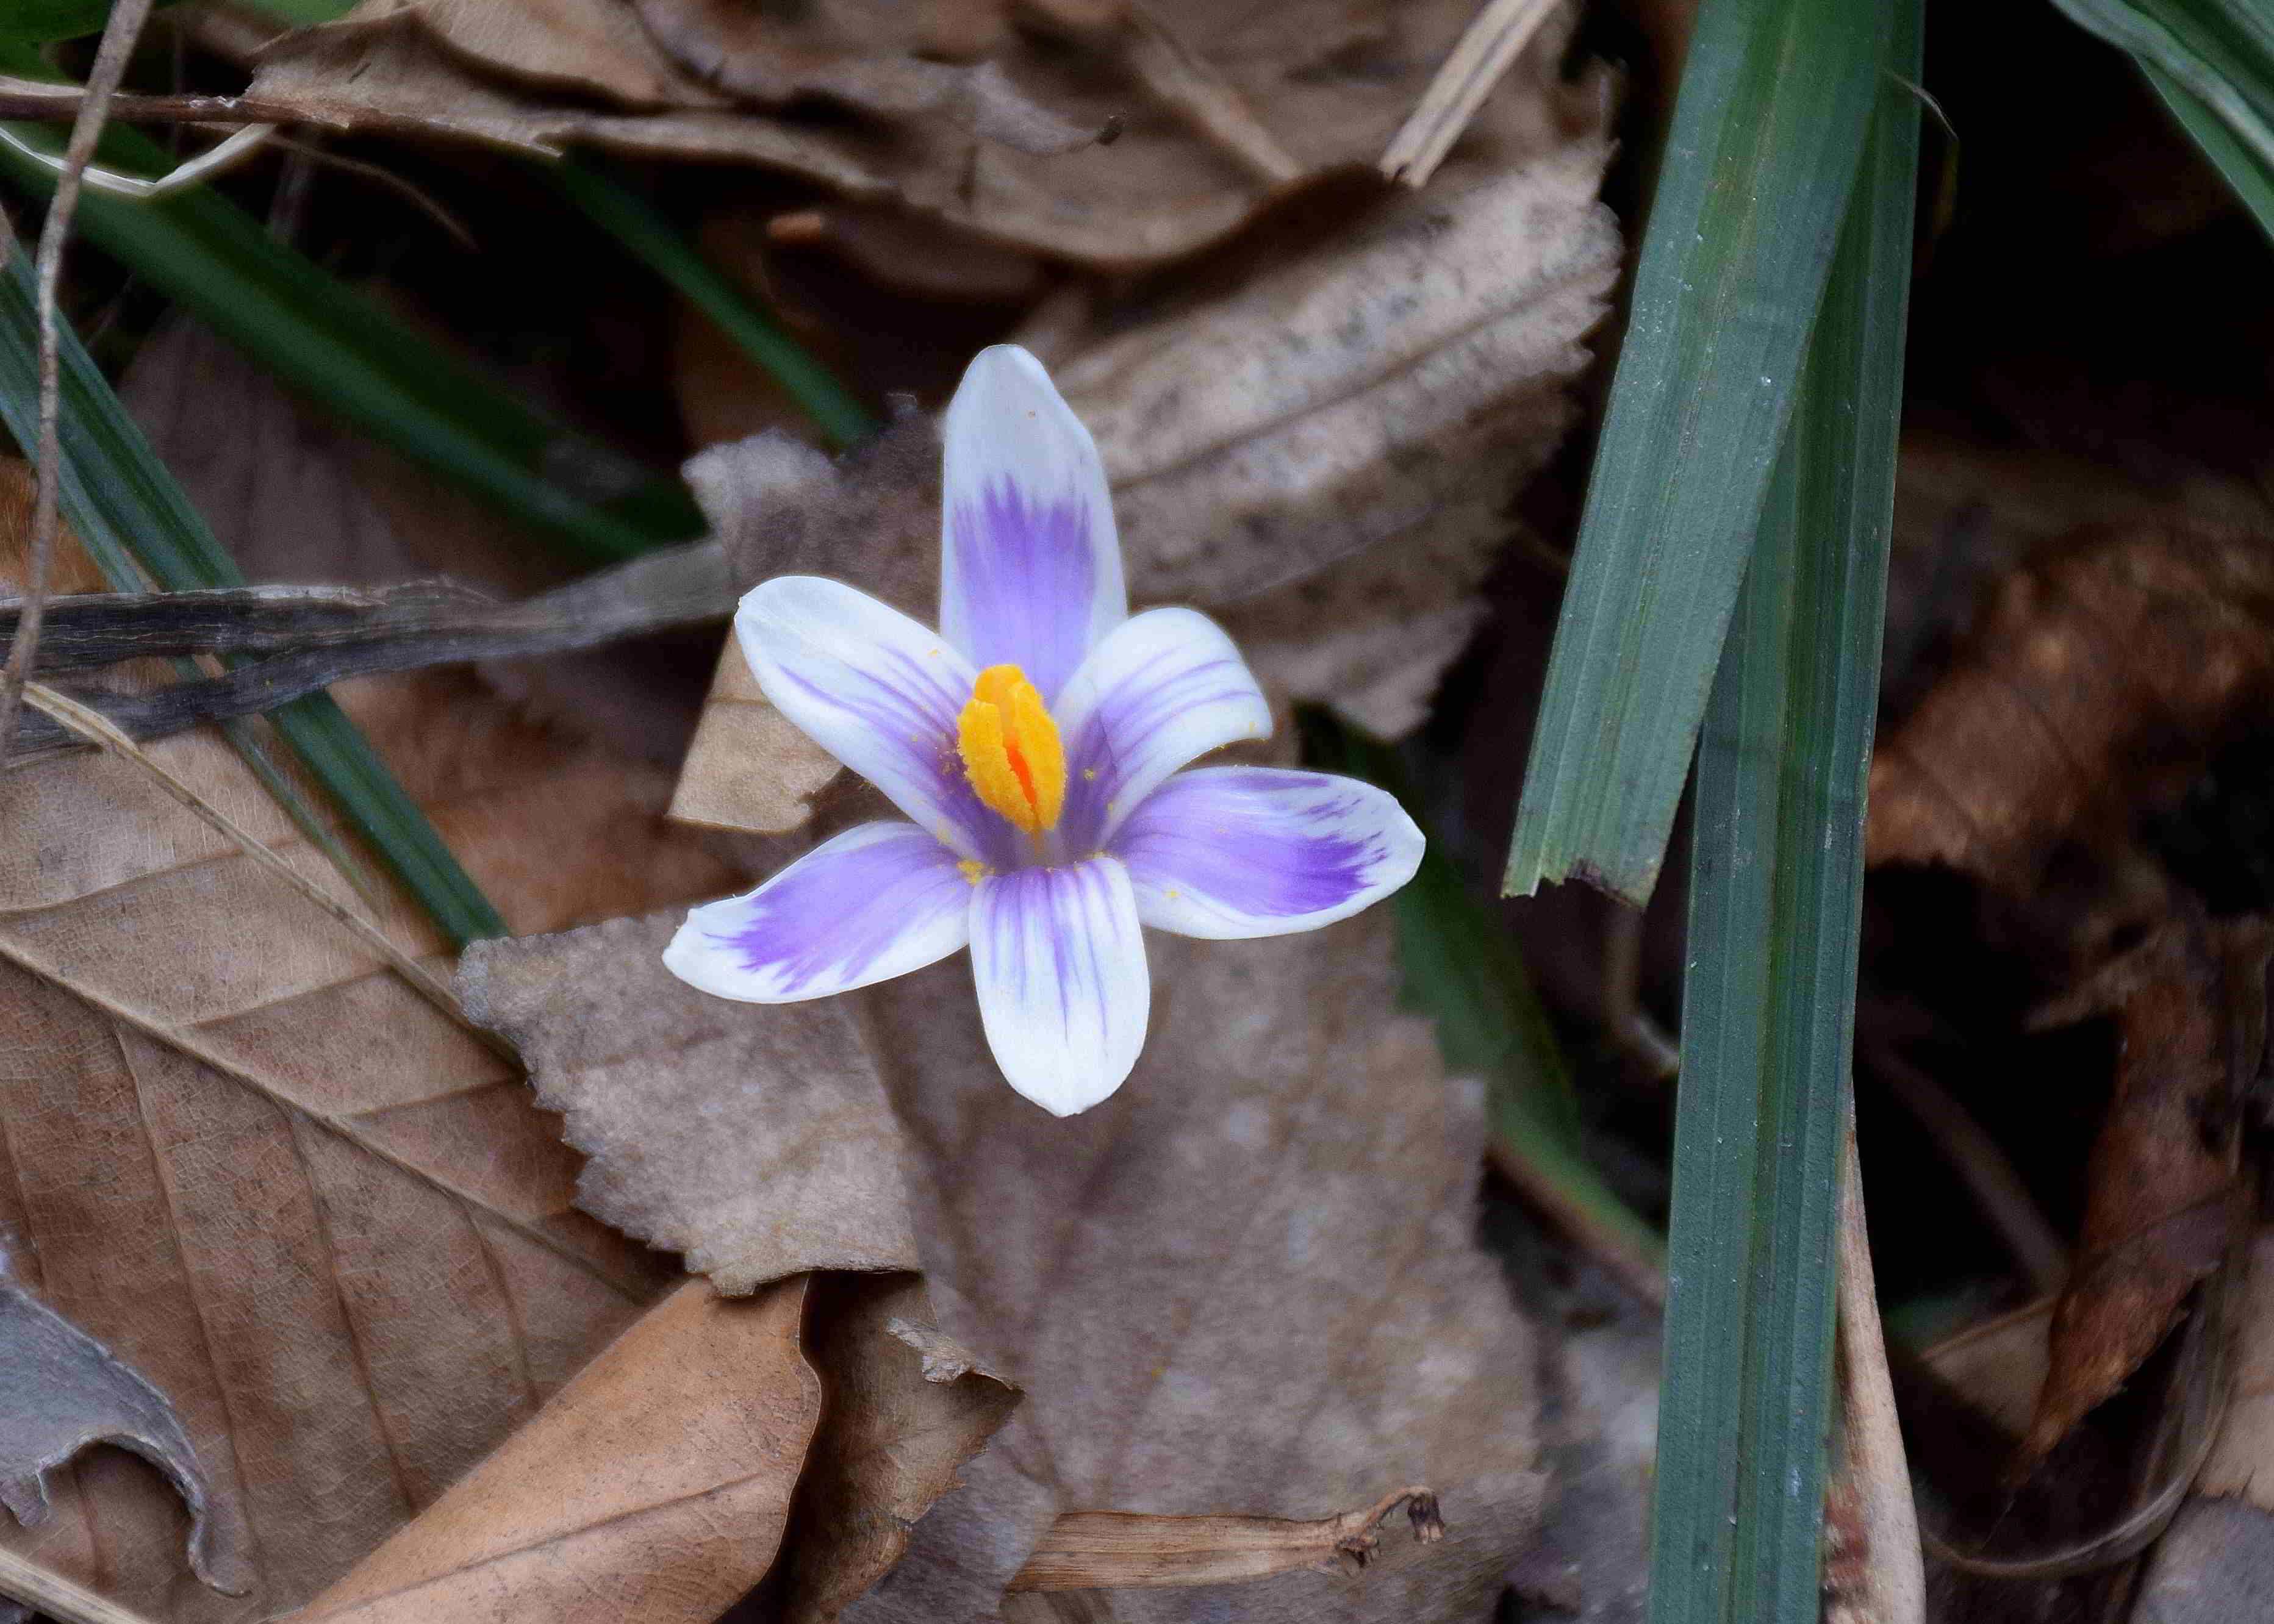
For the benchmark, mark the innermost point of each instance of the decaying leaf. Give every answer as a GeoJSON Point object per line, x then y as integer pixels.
{"type": "Point", "coordinates": [904, 1411]}
{"type": "Point", "coordinates": [1300, 457]}
{"type": "Point", "coordinates": [326, 1221]}
{"type": "Point", "coordinates": [1248, 1282]}
{"type": "Point", "coordinates": [653, 1486]}
{"type": "Point", "coordinates": [1213, 114]}
{"type": "Point", "coordinates": [2098, 684]}
{"type": "Point", "coordinates": [760, 1146]}
{"type": "Point", "coordinates": [1119, 1550]}
{"type": "Point", "coordinates": [2165, 1201]}
{"type": "Point", "coordinates": [61, 1391]}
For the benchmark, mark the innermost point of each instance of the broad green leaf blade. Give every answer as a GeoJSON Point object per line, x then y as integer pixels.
{"type": "Point", "coordinates": [1757, 169]}
{"type": "Point", "coordinates": [137, 525]}
{"type": "Point", "coordinates": [338, 347]}
{"type": "Point", "coordinates": [649, 235]}
{"type": "Point", "coordinates": [1775, 905]}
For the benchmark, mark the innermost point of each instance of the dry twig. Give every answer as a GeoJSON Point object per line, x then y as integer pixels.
{"type": "Point", "coordinates": [119, 37]}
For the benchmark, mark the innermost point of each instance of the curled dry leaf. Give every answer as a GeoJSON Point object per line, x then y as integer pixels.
{"type": "Point", "coordinates": [2099, 683]}
{"type": "Point", "coordinates": [1321, 458]}
{"type": "Point", "coordinates": [905, 1410]}
{"type": "Point", "coordinates": [653, 1486]}
{"type": "Point", "coordinates": [1213, 113]}
{"type": "Point", "coordinates": [60, 1391]}
{"type": "Point", "coordinates": [2165, 1203]}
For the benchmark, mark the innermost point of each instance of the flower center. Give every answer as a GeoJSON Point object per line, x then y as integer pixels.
{"type": "Point", "coordinates": [1011, 749]}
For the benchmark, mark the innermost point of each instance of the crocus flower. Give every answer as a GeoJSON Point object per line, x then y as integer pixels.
{"type": "Point", "coordinates": [1037, 744]}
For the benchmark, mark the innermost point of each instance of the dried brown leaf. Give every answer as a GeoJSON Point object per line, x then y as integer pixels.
{"type": "Point", "coordinates": [653, 1487]}
{"type": "Point", "coordinates": [1321, 457]}
{"type": "Point", "coordinates": [328, 1224]}
{"type": "Point", "coordinates": [1215, 113]}
{"type": "Point", "coordinates": [760, 1148]}
{"type": "Point", "coordinates": [2098, 684]}
{"type": "Point", "coordinates": [1247, 1283]}
{"type": "Point", "coordinates": [61, 1391]}
{"type": "Point", "coordinates": [2165, 1203]}
{"type": "Point", "coordinates": [904, 1411]}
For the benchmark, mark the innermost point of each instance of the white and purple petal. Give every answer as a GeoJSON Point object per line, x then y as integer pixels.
{"type": "Point", "coordinates": [1227, 853]}
{"type": "Point", "coordinates": [1059, 959]}
{"type": "Point", "coordinates": [876, 902]}
{"type": "Point", "coordinates": [878, 692]}
{"type": "Point", "coordinates": [1160, 690]}
{"type": "Point", "coordinates": [1030, 566]}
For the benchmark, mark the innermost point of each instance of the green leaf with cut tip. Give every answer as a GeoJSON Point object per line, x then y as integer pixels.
{"type": "Point", "coordinates": [1775, 906]}
{"type": "Point", "coordinates": [1767, 134]}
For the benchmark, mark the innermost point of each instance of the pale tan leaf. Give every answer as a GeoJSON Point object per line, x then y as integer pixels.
{"type": "Point", "coordinates": [1216, 113]}
{"type": "Point", "coordinates": [759, 1148]}
{"type": "Point", "coordinates": [653, 1487]}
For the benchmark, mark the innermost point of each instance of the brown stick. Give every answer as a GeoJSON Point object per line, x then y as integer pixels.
{"type": "Point", "coordinates": [119, 37]}
{"type": "Point", "coordinates": [30, 99]}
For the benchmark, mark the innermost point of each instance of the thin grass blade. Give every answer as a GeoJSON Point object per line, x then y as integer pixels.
{"type": "Point", "coordinates": [1762, 155]}
{"type": "Point", "coordinates": [1776, 903]}
{"type": "Point", "coordinates": [338, 347]}
{"type": "Point", "coordinates": [138, 527]}
{"type": "Point", "coordinates": [650, 235]}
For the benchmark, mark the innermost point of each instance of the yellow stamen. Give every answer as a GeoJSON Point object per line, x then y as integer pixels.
{"type": "Point", "coordinates": [973, 870]}
{"type": "Point", "coordinates": [1011, 749]}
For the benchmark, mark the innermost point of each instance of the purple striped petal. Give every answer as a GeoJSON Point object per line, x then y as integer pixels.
{"type": "Point", "coordinates": [1062, 990]}
{"type": "Point", "coordinates": [1236, 852]}
{"type": "Point", "coordinates": [876, 902]}
{"type": "Point", "coordinates": [878, 692]}
{"type": "Point", "coordinates": [1031, 567]}
{"type": "Point", "coordinates": [1159, 690]}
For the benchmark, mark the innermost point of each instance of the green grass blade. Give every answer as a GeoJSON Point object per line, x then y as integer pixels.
{"type": "Point", "coordinates": [1775, 904]}
{"type": "Point", "coordinates": [650, 235]}
{"type": "Point", "coordinates": [137, 523]}
{"type": "Point", "coordinates": [2247, 176]}
{"type": "Point", "coordinates": [2212, 62]}
{"type": "Point", "coordinates": [1762, 155]}
{"type": "Point", "coordinates": [339, 347]}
